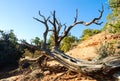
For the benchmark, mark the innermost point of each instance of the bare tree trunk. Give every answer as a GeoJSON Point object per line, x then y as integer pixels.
{"type": "Point", "coordinates": [104, 66]}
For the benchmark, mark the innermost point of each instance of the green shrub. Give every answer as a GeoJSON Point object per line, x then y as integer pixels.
{"type": "Point", "coordinates": [67, 43]}
{"type": "Point", "coordinates": [28, 53]}
{"type": "Point", "coordinates": [106, 49]}
{"type": "Point", "coordinates": [118, 46]}
{"type": "Point", "coordinates": [119, 52]}
{"type": "Point", "coordinates": [89, 32]}
{"type": "Point", "coordinates": [10, 50]}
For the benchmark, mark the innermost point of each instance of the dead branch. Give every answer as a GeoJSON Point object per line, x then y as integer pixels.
{"type": "Point", "coordinates": [45, 20]}
{"type": "Point", "coordinates": [104, 66]}
{"type": "Point", "coordinates": [55, 53]}
{"type": "Point", "coordinates": [93, 21]}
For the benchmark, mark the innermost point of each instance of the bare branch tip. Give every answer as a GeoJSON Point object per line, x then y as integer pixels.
{"type": "Point", "coordinates": [54, 11]}
{"type": "Point", "coordinates": [39, 13]}
{"type": "Point", "coordinates": [102, 7]}
{"type": "Point", "coordinates": [34, 18]}
{"type": "Point", "coordinates": [77, 10]}
{"type": "Point", "coordinates": [48, 18]}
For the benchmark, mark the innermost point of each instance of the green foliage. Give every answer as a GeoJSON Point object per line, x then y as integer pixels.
{"type": "Point", "coordinates": [106, 49]}
{"type": "Point", "coordinates": [115, 7]}
{"type": "Point", "coordinates": [10, 50]}
{"type": "Point", "coordinates": [36, 41]}
{"type": "Point", "coordinates": [28, 53]}
{"type": "Point", "coordinates": [105, 27]}
{"type": "Point", "coordinates": [113, 23]}
{"type": "Point", "coordinates": [115, 28]}
{"type": "Point", "coordinates": [112, 27]}
{"type": "Point", "coordinates": [67, 43]}
{"type": "Point", "coordinates": [51, 41]}
{"type": "Point", "coordinates": [36, 53]}
{"type": "Point", "coordinates": [89, 32]}
{"type": "Point", "coordinates": [119, 52]}
{"type": "Point", "coordinates": [118, 46]}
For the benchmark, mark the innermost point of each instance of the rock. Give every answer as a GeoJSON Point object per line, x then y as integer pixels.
{"type": "Point", "coordinates": [46, 72]}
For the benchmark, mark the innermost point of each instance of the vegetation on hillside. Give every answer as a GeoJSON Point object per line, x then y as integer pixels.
{"type": "Point", "coordinates": [111, 48]}
{"type": "Point", "coordinates": [113, 18]}
{"type": "Point", "coordinates": [67, 43]}
{"type": "Point", "coordinates": [10, 49]}
{"type": "Point", "coordinates": [89, 32]}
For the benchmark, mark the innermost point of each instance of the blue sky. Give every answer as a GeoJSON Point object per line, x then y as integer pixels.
{"type": "Point", "coordinates": [18, 15]}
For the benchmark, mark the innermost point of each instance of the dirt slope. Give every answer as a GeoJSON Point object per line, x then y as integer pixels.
{"type": "Point", "coordinates": [88, 48]}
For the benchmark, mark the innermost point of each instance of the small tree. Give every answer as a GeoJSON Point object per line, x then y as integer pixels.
{"type": "Point", "coordinates": [36, 41]}
{"type": "Point", "coordinates": [113, 23]}
{"type": "Point", "coordinates": [10, 51]}
{"type": "Point", "coordinates": [89, 32]}
{"type": "Point", "coordinates": [67, 43]}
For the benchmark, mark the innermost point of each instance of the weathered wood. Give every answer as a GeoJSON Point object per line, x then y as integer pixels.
{"type": "Point", "coordinates": [103, 66]}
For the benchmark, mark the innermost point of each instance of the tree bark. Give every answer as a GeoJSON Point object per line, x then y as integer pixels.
{"type": "Point", "coordinates": [104, 66]}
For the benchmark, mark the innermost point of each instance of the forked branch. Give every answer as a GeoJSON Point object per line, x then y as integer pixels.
{"type": "Point", "coordinates": [76, 22]}
{"type": "Point", "coordinates": [45, 22]}
{"type": "Point", "coordinates": [57, 26]}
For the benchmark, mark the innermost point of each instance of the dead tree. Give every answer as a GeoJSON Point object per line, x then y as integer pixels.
{"type": "Point", "coordinates": [104, 66]}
